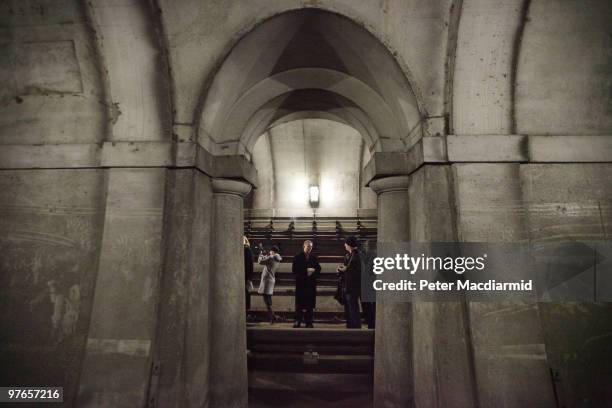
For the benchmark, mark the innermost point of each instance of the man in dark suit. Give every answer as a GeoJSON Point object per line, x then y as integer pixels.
{"type": "Point", "coordinates": [306, 269]}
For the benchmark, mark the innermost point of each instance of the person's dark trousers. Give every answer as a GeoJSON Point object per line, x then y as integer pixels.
{"type": "Point", "coordinates": [351, 311]}
{"type": "Point", "coordinates": [268, 301]}
{"type": "Point", "coordinates": [369, 313]}
{"type": "Point", "coordinates": [248, 299]}
{"type": "Point", "coordinates": [304, 315]}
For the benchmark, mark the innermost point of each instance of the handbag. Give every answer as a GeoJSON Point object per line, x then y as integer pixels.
{"type": "Point", "coordinates": [339, 295]}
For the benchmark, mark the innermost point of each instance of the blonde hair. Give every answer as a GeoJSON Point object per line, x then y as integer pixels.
{"type": "Point", "coordinates": [245, 240]}
{"type": "Point", "coordinates": [307, 242]}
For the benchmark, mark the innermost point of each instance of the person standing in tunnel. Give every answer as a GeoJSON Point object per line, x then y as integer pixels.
{"type": "Point", "coordinates": [266, 286]}
{"type": "Point", "coordinates": [367, 253]}
{"type": "Point", "coordinates": [351, 272]}
{"type": "Point", "coordinates": [248, 274]}
{"type": "Point", "coordinates": [306, 269]}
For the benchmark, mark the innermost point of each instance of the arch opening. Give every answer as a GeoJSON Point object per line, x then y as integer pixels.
{"type": "Point", "coordinates": [308, 96]}
{"type": "Point", "coordinates": [307, 60]}
{"type": "Point", "coordinates": [305, 150]}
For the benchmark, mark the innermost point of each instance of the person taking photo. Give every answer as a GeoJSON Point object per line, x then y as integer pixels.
{"type": "Point", "coordinates": [271, 262]}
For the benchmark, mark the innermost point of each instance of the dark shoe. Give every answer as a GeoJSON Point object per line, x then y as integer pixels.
{"type": "Point", "coordinates": [296, 325]}
{"type": "Point", "coordinates": [309, 325]}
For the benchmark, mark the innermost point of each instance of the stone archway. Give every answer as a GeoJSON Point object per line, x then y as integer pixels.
{"type": "Point", "coordinates": [344, 67]}
{"type": "Point", "coordinates": [305, 63]}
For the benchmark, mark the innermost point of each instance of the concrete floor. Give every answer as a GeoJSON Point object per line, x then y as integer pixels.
{"type": "Point", "coordinates": [268, 389]}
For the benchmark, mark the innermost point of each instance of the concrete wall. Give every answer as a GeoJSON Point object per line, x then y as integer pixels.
{"type": "Point", "coordinates": [49, 71]}
{"type": "Point", "coordinates": [50, 243]}
{"type": "Point", "coordinates": [265, 194]}
{"type": "Point", "coordinates": [137, 78]}
{"type": "Point", "coordinates": [562, 88]}
{"type": "Point", "coordinates": [500, 332]}
{"type": "Point", "coordinates": [563, 81]}
{"type": "Point", "coordinates": [468, 353]}
{"type": "Point", "coordinates": [573, 201]}
{"type": "Point", "coordinates": [367, 197]}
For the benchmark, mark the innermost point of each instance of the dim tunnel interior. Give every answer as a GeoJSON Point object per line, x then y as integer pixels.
{"type": "Point", "coordinates": [308, 96]}
{"type": "Point", "coordinates": [141, 140]}
{"type": "Point", "coordinates": [327, 364]}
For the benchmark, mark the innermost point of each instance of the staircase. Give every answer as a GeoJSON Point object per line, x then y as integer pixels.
{"type": "Point", "coordinates": [319, 350]}
{"type": "Point", "coordinates": [327, 363]}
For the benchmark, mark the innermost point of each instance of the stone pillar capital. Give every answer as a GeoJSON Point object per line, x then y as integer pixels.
{"type": "Point", "coordinates": [229, 186]}
{"type": "Point", "coordinates": [388, 184]}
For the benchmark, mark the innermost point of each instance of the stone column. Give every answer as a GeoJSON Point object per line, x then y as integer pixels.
{"type": "Point", "coordinates": [393, 365]}
{"type": "Point", "coordinates": [228, 363]}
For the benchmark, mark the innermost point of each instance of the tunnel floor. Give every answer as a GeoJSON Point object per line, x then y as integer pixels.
{"type": "Point", "coordinates": [272, 388]}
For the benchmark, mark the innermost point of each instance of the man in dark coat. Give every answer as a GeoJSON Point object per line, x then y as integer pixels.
{"type": "Point", "coordinates": [306, 269]}
{"type": "Point", "coordinates": [367, 254]}
{"type": "Point", "coordinates": [352, 283]}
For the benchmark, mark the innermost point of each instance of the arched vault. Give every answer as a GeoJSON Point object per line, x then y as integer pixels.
{"type": "Point", "coordinates": [303, 64]}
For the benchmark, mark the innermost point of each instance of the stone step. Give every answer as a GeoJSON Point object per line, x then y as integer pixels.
{"type": "Point", "coordinates": [318, 350]}
{"type": "Point", "coordinates": [320, 317]}
{"type": "Point", "coordinates": [283, 300]}
{"type": "Point", "coordinates": [310, 363]}
{"type": "Point", "coordinates": [343, 341]}
{"type": "Point", "coordinates": [289, 281]}
{"type": "Point", "coordinates": [289, 290]}
{"type": "Point", "coordinates": [285, 267]}
{"type": "Point", "coordinates": [323, 349]}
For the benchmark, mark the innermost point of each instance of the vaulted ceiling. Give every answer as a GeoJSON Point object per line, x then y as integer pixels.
{"type": "Point", "coordinates": [308, 60]}
{"type": "Point", "coordinates": [220, 73]}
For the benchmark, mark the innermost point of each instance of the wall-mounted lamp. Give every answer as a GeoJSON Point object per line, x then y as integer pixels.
{"type": "Point", "coordinates": [313, 194]}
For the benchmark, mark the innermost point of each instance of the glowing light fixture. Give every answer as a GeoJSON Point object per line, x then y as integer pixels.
{"type": "Point", "coordinates": [299, 191]}
{"type": "Point", "coordinates": [313, 193]}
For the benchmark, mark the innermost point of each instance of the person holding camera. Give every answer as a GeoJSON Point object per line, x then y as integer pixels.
{"type": "Point", "coordinates": [271, 262]}
{"type": "Point", "coordinates": [305, 268]}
